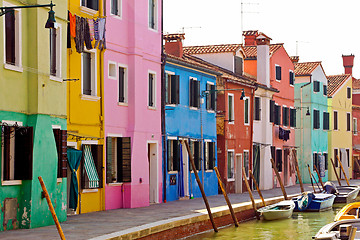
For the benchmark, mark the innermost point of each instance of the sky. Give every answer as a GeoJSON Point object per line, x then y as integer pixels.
{"type": "Point", "coordinates": [315, 30]}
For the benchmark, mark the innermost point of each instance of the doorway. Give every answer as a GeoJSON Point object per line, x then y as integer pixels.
{"type": "Point", "coordinates": [286, 166]}
{"type": "Point", "coordinates": [238, 173]}
{"type": "Point", "coordinates": [185, 162]}
{"type": "Point", "coordinates": [153, 172]}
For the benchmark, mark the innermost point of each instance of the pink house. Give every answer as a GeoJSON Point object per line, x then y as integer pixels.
{"type": "Point", "coordinates": [132, 104]}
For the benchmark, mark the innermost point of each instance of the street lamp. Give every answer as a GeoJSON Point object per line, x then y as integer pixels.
{"type": "Point", "coordinates": [51, 19]}
{"type": "Point", "coordinates": [307, 111]}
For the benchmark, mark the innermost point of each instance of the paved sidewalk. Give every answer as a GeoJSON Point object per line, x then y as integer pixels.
{"type": "Point", "coordinates": [97, 224]}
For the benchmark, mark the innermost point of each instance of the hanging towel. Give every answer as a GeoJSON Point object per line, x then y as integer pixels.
{"type": "Point", "coordinates": [87, 37]}
{"type": "Point", "coordinates": [91, 28]}
{"type": "Point", "coordinates": [72, 20]}
{"type": "Point", "coordinates": [79, 39]}
{"type": "Point", "coordinates": [99, 29]}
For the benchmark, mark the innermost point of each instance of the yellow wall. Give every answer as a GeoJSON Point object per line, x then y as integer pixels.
{"type": "Point", "coordinates": [85, 115]}
{"type": "Point", "coordinates": [340, 138]}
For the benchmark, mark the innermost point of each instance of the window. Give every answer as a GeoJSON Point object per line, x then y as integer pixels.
{"type": "Point", "coordinates": [195, 151]}
{"type": "Point", "coordinates": [173, 152]}
{"type": "Point", "coordinates": [355, 131]}
{"type": "Point", "coordinates": [194, 93]}
{"type": "Point", "coordinates": [238, 62]}
{"type": "Point", "coordinates": [335, 120]}
{"type": "Point", "coordinates": [88, 66]}
{"type": "Point", "coordinates": [277, 114]}
{"type": "Point", "coordinates": [348, 92]}
{"type": "Point", "coordinates": [316, 120]}
{"type": "Point", "coordinates": [231, 108]}
{"type": "Point", "coordinates": [55, 52]}
{"type": "Point", "coordinates": [336, 155]}
{"type": "Point", "coordinates": [325, 90]}
{"type": "Point", "coordinates": [12, 34]}
{"type": "Point", "coordinates": [112, 70]}
{"type": "Point", "coordinates": [246, 162]}
{"type": "Point", "coordinates": [348, 156]}
{"type": "Point", "coordinates": [285, 116]}
{"type": "Point", "coordinates": [246, 111]}
{"type": "Point", "coordinates": [291, 78]}
{"type": "Point", "coordinates": [116, 7]}
{"type": "Point", "coordinates": [278, 162]}
{"type": "Point", "coordinates": [326, 121]}
{"type": "Point", "coordinates": [272, 111]}
{"type": "Point", "coordinates": [61, 147]}
{"type": "Point", "coordinates": [292, 117]}
{"type": "Point", "coordinates": [326, 160]}
{"type": "Point", "coordinates": [257, 108]}
{"type": "Point", "coordinates": [93, 4]}
{"type": "Point", "coordinates": [210, 155]}
{"type": "Point", "coordinates": [210, 98]}
{"type": "Point", "coordinates": [17, 153]}
{"type": "Point", "coordinates": [230, 165]}
{"type": "Point", "coordinates": [122, 85]}
{"type": "Point", "coordinates": [316, 86]}
{"type": "Point", "coordinates": [278, 72]}
{"type": "Point", "coordinates": [348, 122]}
{"type": "Point", "coordinates": [92, 166]}
{"type": "Point", "coordinates": [152, 14]}
{"type": "Point", "coordinates": [172, 88]}
{"type": "Point", "coordinates": [316, 161]}
{"type": "Point", "coordinates": [152, 87]}
{"type": "Point", "coordinates": [118, 159]}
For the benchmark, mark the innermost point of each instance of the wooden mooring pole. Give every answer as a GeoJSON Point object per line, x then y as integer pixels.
{"type": "Point", "coordinates": [311, 179]}
{"type": "Point", "coordinates": [317, 172]}
{"type": "Point", "coordinates": [62, 236]}
{"type": "Point", "coordinates": [250, 194]}
{"type": "Point", "coordinates": [201, 187]}
{"type": "Point", "coordinates": [279, 179]}
{"type": "Point", "coordinates": [298, 171]}
{"type": "Point", "coordinates": [257, 188]}
{"type": "Point", "coordinates": [226, 197]}
{"type": "Point", "coordinates": [341, 166]}
{"type": "Point", "coordinates": [334, 167]}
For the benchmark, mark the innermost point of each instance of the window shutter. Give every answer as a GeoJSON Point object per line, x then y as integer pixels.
{"type": "Point", "coordinates": [121, 84]}
{"type": "Point", "coordinates": [279, 160]}
{"type": "Point", "coordinates": [246, 110]}
{"type": "Point", "coordinates": [151, 90]}
{"type": "Point", "coordinates": [238, 65]}
{"type": "Point", "coordinates": [292, 117]}
{"type": "Point", "coordinates": [316, 86]}
{"type": "Point", "coordinates": [86, 73]}
{"type": "Point", "coordinates": [23, 153]}
{"type": "Point", "coordinates": [257, 108]}
{"type": "Point", "coordinates": [197, 94]}
{"type": "Point", "coordinates": [151, 14]}
{"type": "Point", "coordinates": [335, 120]}
{"type": "Point", "coordinates": [291, 78]}
{"type": "Point", "coordinates": [97, 151]}
{"type": "Point", "coordinates": [168, 151]}
{"type": "Point", "coordinates": [174, 89]}
{"type": "Point", "coordinates": [63, 153]}
{"type": "Point", "coordinates": [272, 109]}
{"type": "Point", "coordinates": [197, 154]}
{"type": "Point", "coordinates": [10, 37]}
{"type": "Point", "coordinates": [348, 121]}
{"type": "Point", "coordinates": [212, 156]}
{"type": "Point", "coordinates": [93, 4]}
{"type": "Point", "coordinates": [53, 51]}
{"type": "Point", "coordinates": [213, 97]}
{"type": "Point", "coordinates": [109, 159]}
{"type": "Point", "coordinates": [315, 161]}
{"type": "Point", "coordinates": [126, 159]}
{"type": "Point", "coordinates": [6, 142]}
{"type": "Point", "coordinates": [326, 121]}
{"type": "Point", "coordinates": [278, 73]}
{"type": "Point", "coordinates": [348, 92]}
{"type": "Point", "coordinates": [325, 90]}
{"type": "Point", "coordinates": [208, 97]}
{"type": "Point", "coordinates": [177, 159]}
{"type": "Point", "coordinates": [284, 115]}
{"type": "Point", "coordinates": [326, 160]}
{"type": "Point", "coordinates": [191, 98]}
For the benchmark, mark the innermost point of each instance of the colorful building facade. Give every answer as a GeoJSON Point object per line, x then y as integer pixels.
{"type": "Point", "coordinates": [189, 116]}
{"type": "Point", "coordinates": [132, 104]}
{"type": "Point", "coordinates": [313, 120]}
{"type": "Point", "coordinates": [32, 116]}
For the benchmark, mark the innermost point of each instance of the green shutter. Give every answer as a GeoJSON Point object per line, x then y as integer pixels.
{"type": "Point", "coordinates": [109, 159]}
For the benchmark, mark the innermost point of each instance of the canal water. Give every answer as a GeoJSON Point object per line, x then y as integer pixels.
{"type": "Point", "coordinates": [302, 225]}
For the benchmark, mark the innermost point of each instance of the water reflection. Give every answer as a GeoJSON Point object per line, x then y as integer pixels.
{"type": "Point", "coordinates": [299, 226]}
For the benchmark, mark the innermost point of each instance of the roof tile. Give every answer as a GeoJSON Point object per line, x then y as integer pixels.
{"type": "Point", "coordinates": [335, 82]}
{"type": "Point", "coordinates": [211, 48]}
{"type": "Point", "coordinates": [305, 68]}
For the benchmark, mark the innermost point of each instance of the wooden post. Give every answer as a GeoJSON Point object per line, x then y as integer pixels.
{"type": "Point", "coordinates": [201, 187]}
{"type": "Point", "coordinates": [341, 166]}
{"type": "Point", "coordinates": [312, 183]}
{"type": "Point", "coordinates": [298, 172]}
{"type": "Point", "coordinates": [226, 197]}
{"type": "Point", "coordinates": [250, 194]}
{"type": "Point", "coordinates": [257, 187]}
{"type": "Point", "coordinates": [62, 236]}
{"type": "Point", "coordinates": [337, 176]}
{"type": "Point", "coordinates": [317, 172]}
{"type": "Point", "coordinates": [279, 179]}
{"type": "Point", "coordinates": [313, 177]}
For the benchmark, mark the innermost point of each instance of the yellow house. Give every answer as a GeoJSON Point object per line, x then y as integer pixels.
{"type": "Point", "coordinates": [340, 134]}
{"type": "Point", "coordinates": [85, 108]}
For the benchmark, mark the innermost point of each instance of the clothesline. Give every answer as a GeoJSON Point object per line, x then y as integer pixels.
{"type": "Point", "coordinates": [85, 30]}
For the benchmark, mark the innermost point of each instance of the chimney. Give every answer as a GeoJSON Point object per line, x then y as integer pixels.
{"type": "Point", "coordinates": [263, 59]}
{"type": "Point", "coordinates": [348, 63]}
{"type": "Point", "coordinates": [250, 37]}
{"type": "Point", "coordinates": [173, 44]}
{"type": "Point", "coordinates": [294, 59]}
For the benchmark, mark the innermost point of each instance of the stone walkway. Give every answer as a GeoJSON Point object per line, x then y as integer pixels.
{"type": "Point", "coordinates": [99, 224]}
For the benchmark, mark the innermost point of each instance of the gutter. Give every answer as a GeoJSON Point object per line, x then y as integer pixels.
{"type": "Point", "coordinates": [163, 129]}
{"type": "Point", "coordinates": [172, 60]}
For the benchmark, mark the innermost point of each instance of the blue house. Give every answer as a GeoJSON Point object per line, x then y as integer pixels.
{"type": "Point", "coordinates": [312, 119]}
{"type": "Point", "coordinates": [189, 116]}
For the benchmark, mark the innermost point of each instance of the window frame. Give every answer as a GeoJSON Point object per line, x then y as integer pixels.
{"type": "Point", "coordinates": [335, 123]}
{"type": "Point", "coordinates": [348, 122]}
{"type": "Point", "coordinates": [170, 78]}
{"type": "Point", "coordinates": [316, 119]}
{"type": "Point", "coordinates": [257, 108]}
{"type": "Point", "coordinates": [88, 9]}
{"type": "Point", "coordinates": [155, 15]}
{"type": "Point", "coordinates": [292, 114]}
{"type": "Point", "coordinates": [291, 80]}
{"type": "Point", "coordinates": [231, 111]}
{"type": "Point", "coordinates": [285, 116]}
{"type": "Point", "coordinates": [355, 129]}
{"type": "Point", "coordinates": [277, 162]}
{"type": "Point", "coordinates": [247, 171]}
{"type": "Point", "coordinates": [209, 163]}
{"type": "Point", "coordinates": [276, 73]}
{"type": "Point", "coordinates": [194, 99]}
{"type": "Point", "coordinates": [348, 92]}
{"type": "Point", "coordinates": [326, 120]}
{"type": "Point", "coordinates": [210, 97]}
{"type": "Point", "coordinates": [58, 55]}
{"type": "Point", "coordinates": [230, 177]}
{"type": "Point", "coordinates": [247, 100]}
{"type": "Point", "coordinates": [152, 89]}
{"type": "Point", "coordinates": [125, 67]}
{"type": "Point", "coordinates": [18, 40]}
{"type": "Point", "coordinates": [82, 167]}
{"type": "Point", "coordinates": [119, 9]}
{"type": "Point", "coordinates": [325, 90]}
{"type": "Point", "coordinates": [94, 76]}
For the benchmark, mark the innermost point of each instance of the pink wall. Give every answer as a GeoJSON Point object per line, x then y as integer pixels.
{"type": "Point", "coordinates": [284, 98]}
{"type": "Point", "coordinates": [131, 44]}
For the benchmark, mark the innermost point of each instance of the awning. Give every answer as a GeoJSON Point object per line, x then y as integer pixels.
{"type": "Point", "coordinates": [90, 168]}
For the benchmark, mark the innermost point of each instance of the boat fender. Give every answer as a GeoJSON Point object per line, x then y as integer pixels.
{"type": "Point", "coordinates": [304, 201]}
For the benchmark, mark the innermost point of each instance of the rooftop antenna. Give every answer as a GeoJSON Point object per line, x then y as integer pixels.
{"type": "Point", "coordinates": [242, 16]}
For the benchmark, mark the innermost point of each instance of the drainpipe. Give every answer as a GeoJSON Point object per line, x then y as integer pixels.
{"type": "Point", "coordinates": [302, 121]}
{"type": "Point", "coordinates": [163, 129]}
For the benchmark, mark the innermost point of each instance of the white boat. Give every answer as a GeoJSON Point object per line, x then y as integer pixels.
{"type": "Point", "coordinates": [283, 209]}
{"type": "Point", "coordinates": [342, 229]}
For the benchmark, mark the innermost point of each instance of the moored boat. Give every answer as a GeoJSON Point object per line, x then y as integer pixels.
{"type": "Point", "coordinates": [280, 210]}
{"type": "Point", "coordinates": [350, 211]}
{"type": "Point", "coordinates": [343, 229]}
{"type": "Point", "coordinates": [346, 194]}
{"type": "Point", "coordinates": [313, 202]}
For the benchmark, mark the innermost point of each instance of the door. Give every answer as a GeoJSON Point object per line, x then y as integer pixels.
{"type": "Point", "coordinates": [153, 172]}
{"type": "Point", "coordinates": [286, 167]}
{"type": "Point", "coordinates": [185, 162]}
{"type": "Point", "coordinates": [238, 173]}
